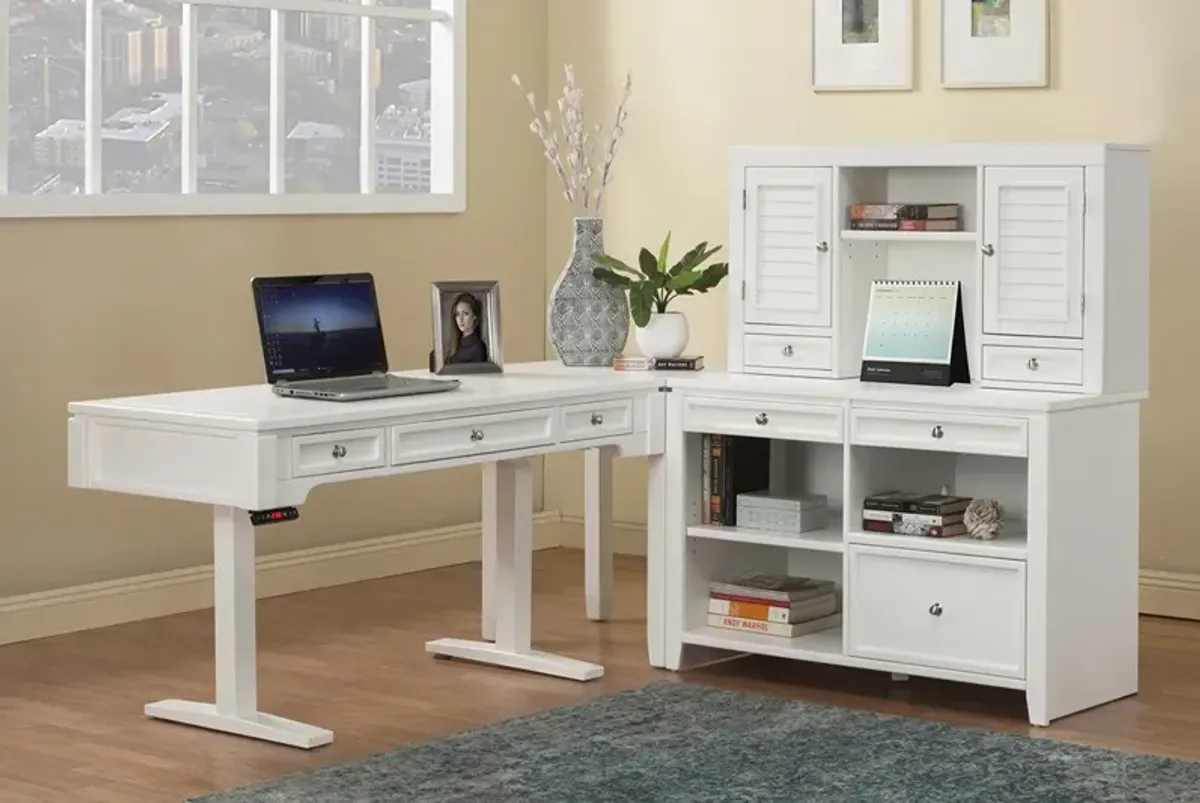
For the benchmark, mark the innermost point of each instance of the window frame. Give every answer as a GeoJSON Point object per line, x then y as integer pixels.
{"type": "Point", "coordinates": [448, 142]}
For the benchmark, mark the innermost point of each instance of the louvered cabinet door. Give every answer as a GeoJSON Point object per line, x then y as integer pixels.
{"type": "Point", "coordinates": [788, 246]}
{"type": "Point", "coordinates": [1033, 251]}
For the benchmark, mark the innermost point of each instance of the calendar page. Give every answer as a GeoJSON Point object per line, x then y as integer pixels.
{"type": "Point", "coordinates": [911, 321]}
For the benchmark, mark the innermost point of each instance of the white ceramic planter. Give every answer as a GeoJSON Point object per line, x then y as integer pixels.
{"type": "Point", "coordinates": [665, 335]}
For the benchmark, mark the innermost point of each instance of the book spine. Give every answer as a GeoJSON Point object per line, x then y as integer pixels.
{"type": "Point", "coordinates": [923, 519]}
{"type": "Point", "coordinates": [767, 611]}
{"type": "Point", "coordinates": [716, 464]}
{"type": "Point", "coordinates": [774, 628]}
{"type": "Point", "coordinates": [926, 530]}
{"type": "Point", "coordinates": [906, 211]}
{"type": "Point", "coordinates": [706, 479]}
{"type": "Point", "coordinates": [730, 458]}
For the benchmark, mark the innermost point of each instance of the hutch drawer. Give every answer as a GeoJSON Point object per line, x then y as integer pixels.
{"type": "Point", "coordinates": [783, 420]}
{"type": "Point", "coordinates": [939, 610]}
{"type": "Point", "coordinates": [934, 431]}
{"type": "Point", "coordinates": [468, 435]}
{"type": "Point", "coordinates": [1041, 366]}
{"type": "Point", "coordinates": [334, 452]}
{"type": "Point", "coordinates": [798, 352]}
{"type": "Point", "coordinates": [597, 420]}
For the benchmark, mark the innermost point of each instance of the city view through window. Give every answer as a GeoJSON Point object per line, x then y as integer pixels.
{"type": "Point", "coordinates": [141, 99]}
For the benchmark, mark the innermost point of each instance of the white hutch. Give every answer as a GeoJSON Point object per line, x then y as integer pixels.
{"type": "Point", "coordinates": [1053, 260]}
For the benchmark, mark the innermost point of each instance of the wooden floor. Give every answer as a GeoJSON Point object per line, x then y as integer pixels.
{"type": "Point", "coordinates": [352, 659]}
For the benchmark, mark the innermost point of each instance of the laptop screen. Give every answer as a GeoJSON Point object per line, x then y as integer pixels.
{"type": "Point", "coordinates": [319, 326]}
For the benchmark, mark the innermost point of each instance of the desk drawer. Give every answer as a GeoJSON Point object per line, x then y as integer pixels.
{"type": "Point", "coordinates": [335, 452]}
{"type": "Point", "coordinates": [602, 419]}
{"type": "Point", "coordinates": [789, 351]}
{"type": "Point", "coordinates": [940, 433]}
{"type": "Point", "coordinates": [1038, 366]}
{"type": "Point", "coordinates": [468, 435]}
{"type": "Point", "coordinates": [795, 421]}
{"type": "Point", "coordinates": [938, 610]}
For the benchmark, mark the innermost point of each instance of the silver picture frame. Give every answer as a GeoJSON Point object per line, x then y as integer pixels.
{"type": "Point", "coordinates": [483, 298]}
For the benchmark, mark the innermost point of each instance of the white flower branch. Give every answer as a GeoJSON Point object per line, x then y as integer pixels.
{"type": "Point", "coordinates": [570, 146]}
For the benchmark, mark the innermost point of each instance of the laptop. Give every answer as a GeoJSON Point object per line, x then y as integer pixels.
{"type": "Point", "coordinates": [322, 338]}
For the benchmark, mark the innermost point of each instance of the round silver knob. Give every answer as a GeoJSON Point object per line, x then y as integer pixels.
{"type": "Point", "coordinates": [787, 351]}
{"type": "Point", "coordinates": [988, 250]}
{"type": "Point", "coordinates": [1032, 364]}
{"type": "Point", "coordinates": [937, 432]}
{"type": "Point", "coordinates": [823, 246]}
{"type": "Point", "coordinates": [339, 451]}
{"type": "Point", "coordinates": [761, 419]}
{"type": "Point", "coordinates": [476, 435]}
{"type": "Point", "coordinates": [935, 609]}
{"type": "Point", "coordinates": [597, 419]}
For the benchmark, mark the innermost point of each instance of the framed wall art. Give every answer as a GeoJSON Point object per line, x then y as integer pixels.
{"type": "Point", "coordinates": [995, 43]}
{"type": "Point", "coordinates": [862, 45]}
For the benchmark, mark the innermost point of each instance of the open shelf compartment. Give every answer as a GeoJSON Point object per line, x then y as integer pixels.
{"type": "Point", "coordinates": [877, 469]}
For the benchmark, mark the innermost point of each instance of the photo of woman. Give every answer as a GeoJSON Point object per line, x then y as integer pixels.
{"type": "Point", "coordinates": [466, 343]}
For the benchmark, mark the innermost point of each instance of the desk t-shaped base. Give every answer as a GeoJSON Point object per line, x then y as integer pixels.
{"type": "Point", "coordinates": [508, 535]}
{"type": "Point", "coordinates": [236, 707]}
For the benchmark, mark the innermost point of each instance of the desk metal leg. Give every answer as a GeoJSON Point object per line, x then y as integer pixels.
{"type": "Point", "coordinates": [513, 586]}
{"type": "Point", "coordinates": [597, 532]}
{"type": "Point", "coordinates": [236, 708]}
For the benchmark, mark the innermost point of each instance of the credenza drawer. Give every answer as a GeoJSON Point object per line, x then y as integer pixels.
{"type": "Point", "coordinates": [799, 352]}
{"type": "Point", "coordinates": [1039, 366]}
{"type": "Point", "coordinates": [933, 431]}
{"type": "Point", "coordinates": [796, 421]}
{"type": "Point", "coordinates": [938, 610]}
{"type": "Point", "coordinates": [601, 419]}
{"type": "Point", "coordinates": [334, 452]}
{"type": "Point", "coordinates": [468, 435]}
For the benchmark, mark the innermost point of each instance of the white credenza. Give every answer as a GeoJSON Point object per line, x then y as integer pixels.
{"type": "Point", "coordinates": [1054, 267]}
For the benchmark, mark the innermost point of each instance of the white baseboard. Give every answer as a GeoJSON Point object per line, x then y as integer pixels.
{"type": "Point", "coordinates": [1174, 594]}
{"type": "Point", "coordinates": [66, 610]}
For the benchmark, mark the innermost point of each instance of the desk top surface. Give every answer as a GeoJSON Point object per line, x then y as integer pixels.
{"type": "Point", "coordinates": [256, 408]}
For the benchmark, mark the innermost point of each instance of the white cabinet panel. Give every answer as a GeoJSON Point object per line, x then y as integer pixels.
{"type": "Point", "coordinates": [788, 243]}
{"type": "Point", "coordinates": [1033, 222]}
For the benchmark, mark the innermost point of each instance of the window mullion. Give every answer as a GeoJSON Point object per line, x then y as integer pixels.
{"type": "Point", "coordinates": [366, 137]}
{"type": "Point", "coordinates": [447, 64]}
{"type": "Point", "coordinates": [278, 127]}
{"type": "Point", "coordinates": [93, 141]}
{"type": "Point", "coordinates": [190, 81]}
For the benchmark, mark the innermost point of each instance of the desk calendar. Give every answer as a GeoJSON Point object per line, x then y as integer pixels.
{"type": "Point", "coordinates": [915, 334]}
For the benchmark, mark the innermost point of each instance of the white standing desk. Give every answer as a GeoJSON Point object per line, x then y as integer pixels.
{"type": "Point", "coordinates": [243, 449]}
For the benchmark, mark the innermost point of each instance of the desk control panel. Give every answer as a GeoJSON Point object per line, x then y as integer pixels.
{"type": "Point", "coordinates": [274, 516]}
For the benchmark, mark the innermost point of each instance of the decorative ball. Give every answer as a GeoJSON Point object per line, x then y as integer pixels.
{"type": "Point", "coordinates": [983, 518]}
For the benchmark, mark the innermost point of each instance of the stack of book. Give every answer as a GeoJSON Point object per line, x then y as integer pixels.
{"type": "Point", "coordinates": [731, 465]}
{"type": "Point", "coordinates": [636, 363]}
{"type": "Point", "coordinates": [906, 217]}
{"type": "Point", "coordinates": [909, 513]}
{"type": "Point", "coordinates": [774, 605]}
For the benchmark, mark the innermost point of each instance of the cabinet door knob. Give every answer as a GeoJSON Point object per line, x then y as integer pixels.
{"type": "Point", "coordinates": [937, 432]}
{"type": "Point", "coordinates": [339, 451]}
{"type": "Point", "coordinates": [823, 246]}
{"type": "Point", "coordinates": [761, 419]}
{"type": "Point", "coordinates": [597, 419]}
{"type": "Point", "coordinates": [476, 435]}
{"type": "Point", "coordinates": [988, 250]}
{"type": "Point", "coordinates": [1032, 364]}
{"type": "Point", "coordinates": [935, 609]}
{"type": "Point", "coordinates": [787, 350]}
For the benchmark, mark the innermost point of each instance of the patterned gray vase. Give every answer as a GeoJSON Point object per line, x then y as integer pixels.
{"type": "Point", "coordinates": [588, 320]}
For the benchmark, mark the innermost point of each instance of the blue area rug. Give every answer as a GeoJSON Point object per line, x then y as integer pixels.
{"type": "Point", "coordinates": [671, 742]}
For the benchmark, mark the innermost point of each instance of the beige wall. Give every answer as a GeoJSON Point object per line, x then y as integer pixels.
{"type": "Point", "coordinates": [709, 74]}
{"type": "Point", "coordinates": [82, 297]}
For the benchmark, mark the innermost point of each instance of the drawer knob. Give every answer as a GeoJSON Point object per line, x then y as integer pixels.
{"type": "Point", "coordinates": [339, 451]}
{"type": "Point", "coordinates": [761, 419]}
{"type": "Point", "coordinates": [988, 250]}
{"type": "Point", "coordinates": [597, 419]}
{"type": "Point", "coordinates": [823, 246]}
{"type": "Point", "coordinates": [787, 350]}
{"type": "Point", "coordinates": [937, 432]}
{"type": "Point", "coordinates": [1032, 364]}
{"type": "Point", "coordinates": [935, 609]}
{"type": "Point", "coordinates": [476, 435]}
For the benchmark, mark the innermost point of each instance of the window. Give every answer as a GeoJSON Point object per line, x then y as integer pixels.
{"type": "Point", "coordinates": [132, 107]}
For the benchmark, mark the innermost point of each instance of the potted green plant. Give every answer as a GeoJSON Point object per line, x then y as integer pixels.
{"type": "Point", "coordinates": [652, 286]}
